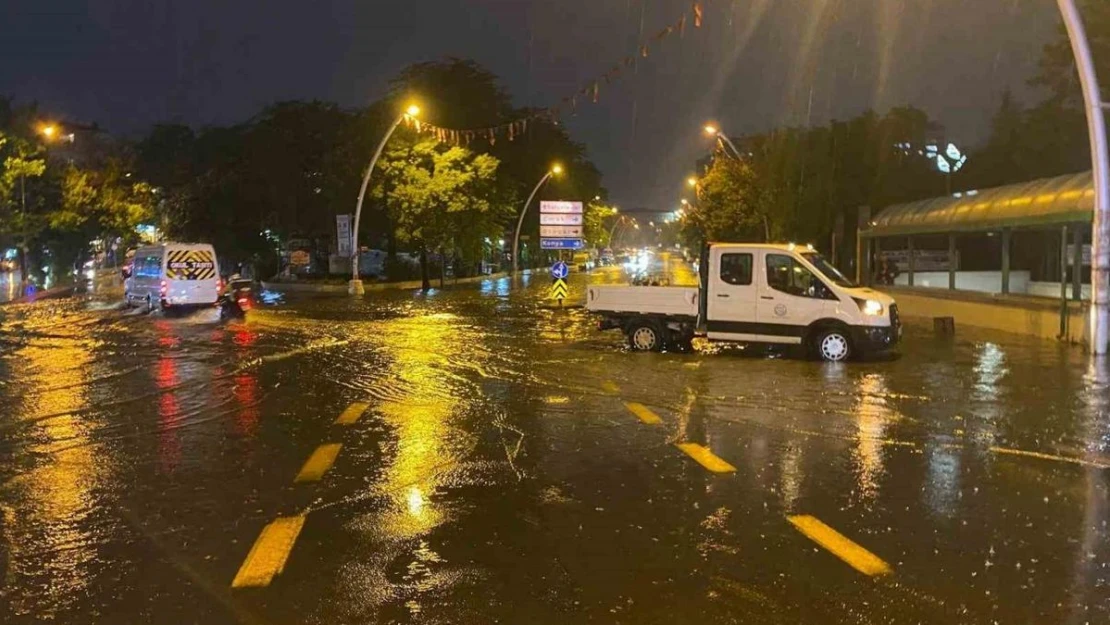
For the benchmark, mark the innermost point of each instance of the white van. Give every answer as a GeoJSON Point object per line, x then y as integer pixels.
{"type": "Point", "coordinates": [172, 275]}
{"type": "Point", "coordinates": [762, 293]}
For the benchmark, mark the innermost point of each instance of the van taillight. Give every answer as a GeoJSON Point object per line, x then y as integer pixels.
{"type": "Point", "coordinates": [164, 288]}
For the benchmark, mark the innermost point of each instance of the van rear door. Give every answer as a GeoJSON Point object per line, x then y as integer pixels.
{"type": "Point", "coordinates": [192, 275]}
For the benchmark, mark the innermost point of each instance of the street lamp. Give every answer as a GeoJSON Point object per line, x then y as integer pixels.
{"type": "Point", "coordinates": [692, 182]}
{"type": "Point", "coordinates": [48, 130]}
{"type": "Point", "coordinates": [714, 131]}
{"type": "Point", "coordinates": [555, 170]}
{"type": "Point", "coordinates": [355, 286]}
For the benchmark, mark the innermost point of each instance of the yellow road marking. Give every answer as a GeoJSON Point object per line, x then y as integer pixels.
{"type": "Point", "coordinates": [352, 413]}
{"type": "Point", "coordinates": [610, 386]}
{"type": "Point", "coordinates": [270, 552]}
{"type": "Point", "coordinates": [643, 412]}
{"type": "Point", "coordinates": [318, 463]}
{"type": "Point", "coordinates": [840, 545]}
{"type": "Point", "coordinates": [706, 458]}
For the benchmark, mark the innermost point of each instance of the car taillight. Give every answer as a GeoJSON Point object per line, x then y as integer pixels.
{"type": "Point", "coordinates": [244, 303]}
{"type": "Point", "coordinates": [220, 285]}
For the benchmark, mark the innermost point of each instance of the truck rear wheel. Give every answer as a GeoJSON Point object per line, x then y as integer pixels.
{"type": "Point", "coordinates": [645, 336]}
{"type": "Point", "coordinates": [832, 345]}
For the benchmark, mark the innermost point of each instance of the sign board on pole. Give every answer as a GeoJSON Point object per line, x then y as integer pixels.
{"type": "Point", "coordinates": [560, 219]}
{"type": "Point", "coordinates": [561, 232]}
{"type": "Point", "coordinates": [559, 270]}
{"type": "Point", "coordinates": [559, 290]}
{"type": "Point", "coordinates": [548, 206]}
{"type": "Point", "coordinates": [343, 234]}
{"type": "Point", "coordinates": [562, 244]}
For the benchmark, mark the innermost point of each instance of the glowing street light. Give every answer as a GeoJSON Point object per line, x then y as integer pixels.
{"type": "Point", "coordinates": [692, 182]}
{"type": "Point", "coordinates": [555, 170]}
{"type": "Point", "coordinates": [714, 131]}
{"type": "Point", "coordinates": [355, 287]}
{"type": "Point", "coordinates": [48, 130]}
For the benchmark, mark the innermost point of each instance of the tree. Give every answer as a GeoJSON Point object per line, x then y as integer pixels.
{"type": "Point", "coordinates": [599, 222]}
{"type": "Point", "coordinates": [1056, 67]}
{"type": "Point", "coordinates": [732, 206]}
{"type": "Point", "coordinates": [445, 199]}
{"type": "Point", "coordinates": [22, 220]}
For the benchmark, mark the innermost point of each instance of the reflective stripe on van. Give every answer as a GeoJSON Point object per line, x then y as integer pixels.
{"type": "Point", "coordinates": [190, 265]}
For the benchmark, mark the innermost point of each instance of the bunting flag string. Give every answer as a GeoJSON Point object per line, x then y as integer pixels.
{"type": "Point", "coordinates": [592, 89]}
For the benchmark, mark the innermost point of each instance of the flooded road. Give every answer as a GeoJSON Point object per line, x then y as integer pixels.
{"type": "Point", "coordinates": [470, 455]}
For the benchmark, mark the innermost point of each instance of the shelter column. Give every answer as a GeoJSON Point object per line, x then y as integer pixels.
{"type": "Point", "coordinates": [1006, 260]}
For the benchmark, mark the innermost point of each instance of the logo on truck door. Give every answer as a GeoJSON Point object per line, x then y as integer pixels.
{"type": "Point", "coordinates": [190, 265]}
{"type": "Point", "coordinates": [780, 310]}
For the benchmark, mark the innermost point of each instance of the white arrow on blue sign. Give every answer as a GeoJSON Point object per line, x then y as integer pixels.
{"type": "Point", "coordinates": [562, 244]}
{"type": "Point", "coordinates": [560, 270]}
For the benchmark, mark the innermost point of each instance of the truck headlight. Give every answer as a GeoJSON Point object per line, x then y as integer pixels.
{"type": "Point", "coordinates": [869, 307]}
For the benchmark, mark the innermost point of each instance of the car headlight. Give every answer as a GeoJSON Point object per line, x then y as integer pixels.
{"type": "Point", "coordinates": [869, 307]}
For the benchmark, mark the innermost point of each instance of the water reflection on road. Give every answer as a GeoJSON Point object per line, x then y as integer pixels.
{"type": "Point", "coordinates": [497, 473]}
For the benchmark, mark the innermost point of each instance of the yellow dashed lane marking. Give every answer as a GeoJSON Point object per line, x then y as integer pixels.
{"type": "Point", "coordinates": [610, 386]}
{"type": "Point", "coordinates": [706, 458]}
{"type": "Point", "coordinates": [352, 413]}
{"type": "Point", "coordinates": [840, 545]}
{"type": "Point", "coordinates": [643, 412]}
{"type": "Point", "coordinates": [318, 463]}
{"type": "Point", "coordinates": [270, 552]}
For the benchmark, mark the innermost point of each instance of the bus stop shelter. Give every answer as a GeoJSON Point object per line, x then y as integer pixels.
{"type": "Point", "coordinates": [1062, 205]}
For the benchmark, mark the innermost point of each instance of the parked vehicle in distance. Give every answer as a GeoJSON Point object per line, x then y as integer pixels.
{"type": "Point", "coordinates": [755, 293]}
{"type": "Point", "coordinates": [174, 275]}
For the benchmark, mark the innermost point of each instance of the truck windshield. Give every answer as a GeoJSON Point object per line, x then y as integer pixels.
{"type": "Point", "coordinates": [827, 270]}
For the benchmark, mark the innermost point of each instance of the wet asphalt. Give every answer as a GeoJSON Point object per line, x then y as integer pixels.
{"type": "Point", "coordinates": [471, 455]}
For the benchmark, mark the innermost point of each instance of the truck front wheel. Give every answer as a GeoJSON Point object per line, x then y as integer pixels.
{"type": "Point", "coordinates": [833, 345]}
{"type": "Point", "coordinates": [645, 336]}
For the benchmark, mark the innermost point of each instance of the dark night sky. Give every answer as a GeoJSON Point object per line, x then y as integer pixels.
{"type": "Point", "coordinates": [756, 63]}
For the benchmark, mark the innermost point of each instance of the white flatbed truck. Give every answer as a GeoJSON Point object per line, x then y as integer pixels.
{"type": "Point", "coordinates": [754, 293]}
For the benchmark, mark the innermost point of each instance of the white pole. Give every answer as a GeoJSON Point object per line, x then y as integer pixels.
{"type": "Point", "coordinates": [355, 287]}
{"type": "Point", "coordinates": [1100, 165]}
{"type": "Point", "coordinates": [725, 138]}
{"type": "Point", "coordinates": [516, 237]}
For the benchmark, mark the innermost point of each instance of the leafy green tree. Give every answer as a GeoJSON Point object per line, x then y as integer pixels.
{"type": "Point", "coordinates": [599, 220]}
{"type": "Point", "coordinates": [444, 200]}
{"type": "Point", "coordinates": [21, 218]}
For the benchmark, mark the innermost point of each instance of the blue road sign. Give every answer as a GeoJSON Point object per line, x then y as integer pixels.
{"type": "Point", "coordinates": [562, 244]}
{"type": "Point", "coordinates": [559, 270]}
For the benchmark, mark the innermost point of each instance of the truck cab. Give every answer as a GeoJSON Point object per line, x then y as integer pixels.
{"type": "Point", "coordinates": [755, 293]}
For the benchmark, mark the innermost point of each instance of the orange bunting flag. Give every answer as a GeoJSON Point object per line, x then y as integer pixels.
{"type": "Point", "coordinates": [682, 26]}
{"type": "Point", "coordinates": [596, 88]}
{"type": "Point", "coordinates": [644, 51]}
{"type": "Point", "coordinates": [697, 15]}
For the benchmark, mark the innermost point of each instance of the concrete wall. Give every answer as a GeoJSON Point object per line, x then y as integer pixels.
{"type": "Point", "coordinates": [1015, 314]}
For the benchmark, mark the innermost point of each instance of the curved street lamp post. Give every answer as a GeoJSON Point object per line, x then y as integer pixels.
{"type": "Point", "coordinates": [1100, 165]}
{"type": "Point", "coordinates": [554, 171]}
{"type": "Point", "coordinates": [355, 287]}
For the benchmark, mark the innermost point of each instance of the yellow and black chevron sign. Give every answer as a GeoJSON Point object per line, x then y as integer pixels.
{"type": "Point", "coordinates": [559, 289]}
{"type": "Point", "coordinates": [190, 265]}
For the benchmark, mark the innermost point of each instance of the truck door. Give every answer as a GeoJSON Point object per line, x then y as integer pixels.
{"type": "Point", "coordinates": [731, 309]}
{"type": "Point", "coordinates": [790, 298]}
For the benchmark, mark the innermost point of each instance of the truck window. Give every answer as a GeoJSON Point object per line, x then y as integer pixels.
{"type": "Point", "coordinates": [736, 269]}
{"type": "Point", "coordinates": [783, 274]}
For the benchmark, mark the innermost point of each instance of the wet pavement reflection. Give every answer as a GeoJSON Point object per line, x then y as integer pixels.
{"type": "Point", "coordinates": [490, 458]}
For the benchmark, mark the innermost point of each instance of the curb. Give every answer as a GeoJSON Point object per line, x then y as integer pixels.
{"type": "Point", "coordinates": [333, 289]}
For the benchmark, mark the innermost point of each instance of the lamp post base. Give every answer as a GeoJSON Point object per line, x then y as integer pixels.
{"type": "Point", "coordinates": [354, 287]}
